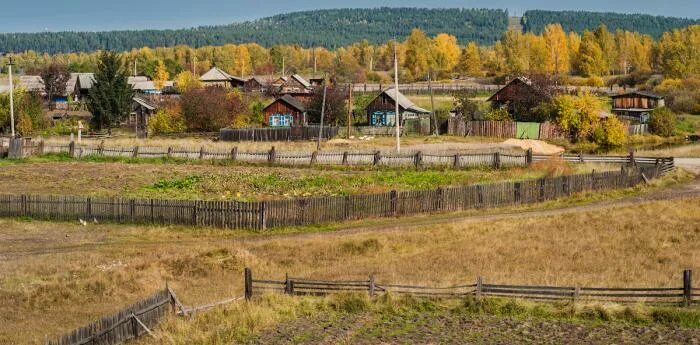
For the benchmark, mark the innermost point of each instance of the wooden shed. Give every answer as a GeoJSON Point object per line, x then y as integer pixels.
{"type": "Point", "coordinates": [636, 105]}
{"type": "Point", "coordinates": [519, 91]}
{"type": "Point", "coordinates": [285, 111]}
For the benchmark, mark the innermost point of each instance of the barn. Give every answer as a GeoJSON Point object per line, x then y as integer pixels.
{"type": "Point", "coordinates": [285, 111]}
{"type": "Point", "coordinates": [381, 110]}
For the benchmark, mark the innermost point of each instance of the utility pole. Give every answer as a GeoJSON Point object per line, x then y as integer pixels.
{"type": "Point", "coordinates": [134, 66]}
{"type": "Point", "coordinates": [323, 113]}
{"type": "Point", "coordinates": [350, 108]}
{"type": "Point", "coordinates": [12, 101]}
{"type": "Point", "coordinates": [396, 100]}
{"type": "Point", "coordinates": [432, 101]}
{"type": "Point", "coordinates": [283, 71]}
{"type": "Point", "coordinates": [314, 52]}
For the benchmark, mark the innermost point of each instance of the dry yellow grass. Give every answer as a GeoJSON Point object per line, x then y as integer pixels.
{"type": "Point", "coordinates": [55, 276]}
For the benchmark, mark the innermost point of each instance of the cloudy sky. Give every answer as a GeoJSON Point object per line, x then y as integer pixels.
{"type": "Point", "coordinates": [98, 15]}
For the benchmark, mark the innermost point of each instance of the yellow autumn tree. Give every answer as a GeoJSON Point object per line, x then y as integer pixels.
{"type": "Point", "coordinates": [445, 54]}
{"type": "Point", "coordinates": [515, 52]}
{"type": "Point", "coordinates": [418, 59]}
{"type": "Point", "coordinates": [470, 61]}
{"type": "Point", "coordinates": [557, 48]}
{"type": "Point", "coordinates": [186, 81]}
{"type": "Point", "coordinates": [161, 75]}
{"type": "Point", "coordinates": [242, 61]}
{"type": "Point", "coordinates": [537, 53]}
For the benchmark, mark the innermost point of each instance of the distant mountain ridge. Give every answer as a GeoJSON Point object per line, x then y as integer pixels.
{"type": "Point", "coordinates": [339, 27]}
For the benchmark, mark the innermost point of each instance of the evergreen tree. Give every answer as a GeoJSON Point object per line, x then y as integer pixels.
{"type": "Point", "coordinates": [110, 97]}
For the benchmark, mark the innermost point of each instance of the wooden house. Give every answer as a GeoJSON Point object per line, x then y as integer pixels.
{"type": "Point", "coordinates": [256, 84]}
{"type": "Point", "coordinates": [217, 77]}
{"type": "Point", "coordinates": [518, 93]}
{"type": "Point", "coordinates": [636, 105]}
{"type": "Point", "coordinates": [295, 84]}
{"type": "Point", "coordinates": [381, 111]}
{"type": "Point", "coordinates": [285, 111]}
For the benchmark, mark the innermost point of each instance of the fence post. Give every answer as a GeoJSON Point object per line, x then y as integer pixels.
{"type": "Point", "coordinates": [440, 199]}
{"type": "Point", "coordinates": [234, 153]}
{"type": "Point", "coordinates": [516, 192]}
{"type": "Point", "coordinates": [565, 185]}
{"type": "Point", "coordinates": [371, 285]}
{"type": "Point", "coordinates": [497, 160]}
{"type": "Point", "coordinates": [580, 157]}
{"type": "Point", "coordinates": [71, 149]}
{"type": "Point", "coordinates": [631, 158]}
{"type": "Point", "coordinates": [345, 158]}
{"type": "Point", "coordinates": [576, 294]}
{"type": "Point", "coordinates": [480, 196]}
{"type": "Point", "coordinates": [135, 152]}
{"type": "Point", "coordinates": [418, 159]}
{"type": "Point", "coordinates": [40, 148]}
{"type": "Point", "coordinates": [687, 287]}
{"type": "Point", "coordinates": [170, 152]}
{"type": "Point", "coordinates": [394, 196]}
{"type": "Point", "coordinates": [314, 157]}
{"type": "Point", "coordinates": [479, 288]}
{"type": "Point", "coordinates": [528, 157]}
{"type": "Point", "coordinates": [88, 207]}
{"type": "Point", "coordinates": [541, 184]}
{"type": "Point", "coordinates": [263, 217]}
{"type": "Point", "coordinates": [134, 325]}
{"type": "Point", "coordinates": [455, 163]}
{"type": "Point", "coordinates": [271, 155]}
{"type": "Point", "coordinates": [377, 157]}
{"type": "Point", "coordinates": [201, 152]}
{"type": "Point", "coordinates": [248, 278]}
{"type": "Point", "coordinates": [347, 208]}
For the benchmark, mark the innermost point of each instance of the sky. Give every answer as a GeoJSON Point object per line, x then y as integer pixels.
{"type": "Point", "coordinates": [101, 15]}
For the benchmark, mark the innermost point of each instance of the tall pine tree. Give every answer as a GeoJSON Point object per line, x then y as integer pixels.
{"type": "Point", "coordinates": [110, 97]}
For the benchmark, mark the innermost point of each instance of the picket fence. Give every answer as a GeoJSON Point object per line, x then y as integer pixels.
{"type": "Point", "coordinates": [319, 210]}
{"type": "Point", "coordinates": [685, 295]}
{"type": "Point", "coordinates": [499, 129]}
{"type": "Point", "coordinates": [294, 133]}
{"type": "Point", "coordinates": [128, 323]}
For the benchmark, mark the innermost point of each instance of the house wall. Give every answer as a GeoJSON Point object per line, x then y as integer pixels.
{"type": "Point", "coordinates": [635, 101]}
{"type": "Point", "coordinates": [279, 107]}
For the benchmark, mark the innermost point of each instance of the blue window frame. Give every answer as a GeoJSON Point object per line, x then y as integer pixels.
{"type": "Point", "coordinates": [281, 120]}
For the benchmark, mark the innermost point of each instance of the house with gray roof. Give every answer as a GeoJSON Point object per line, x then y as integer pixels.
{"type": "Point", "coordinates": [218, 77]}
{"type": "Point", "coordinates": [381, 111]}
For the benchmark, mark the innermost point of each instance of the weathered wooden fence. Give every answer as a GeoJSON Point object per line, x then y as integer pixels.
{"type": "Point", "coordinates": [508, 129]}
{"type": "Point", "coordinates": [129, 323]}
{"type": "Point", "coordinates": [684, 295]}
{"type": "Point", "coordinates": [294, 133]}
{"type": "Point", "coordinates": [309, 211]}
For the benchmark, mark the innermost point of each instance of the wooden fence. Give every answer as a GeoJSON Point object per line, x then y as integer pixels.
{"type": "Point", "coordinates": [684, 295]}
{"type": "Point", "coordinates": [129, 323]}
{"type": "Point", "coordinates": [277, 133]}
{"type": "Point", "coordinates": [319, 210]}
{"type": "Point", "coordinates": [499, 129]}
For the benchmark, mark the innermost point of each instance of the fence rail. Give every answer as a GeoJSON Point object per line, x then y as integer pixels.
{"type": "Point", "coordinates": [310, 211]}
{"type": "Point", "coordinates": [682, 295]}
{"type": "Point", "coordinates": [128, 323]}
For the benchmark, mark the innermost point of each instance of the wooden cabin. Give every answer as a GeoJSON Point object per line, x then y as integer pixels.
{"type": "Point", "coordinates": [141, 111]}
{"type": "Point", "coordinates": [217, 77]}
{"type": "Point", "coordinates": [636, 105]}
{"type": "Point", "coordinates": [256, 84]}
{"type": "Point", "coordinates": [381, 111]}
{"type": "Point", "coordinates": [285, 111]}
{"type": "Point", "coordinates": [519, 91]}
{"type": "Point", "coordinates": [295, 84]}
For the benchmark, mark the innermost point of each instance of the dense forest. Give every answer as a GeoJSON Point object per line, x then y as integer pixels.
{"type": "Point", "coordinates": [578, 21]}
{"type": "Point", "coordinates": [327, 28]}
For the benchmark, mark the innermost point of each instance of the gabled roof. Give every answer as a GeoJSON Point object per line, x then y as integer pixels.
{"type": "Point", "coordinates": [520, 80]}
{"type": "Point", "coordinates": [639, 93]}
{"type": "Point", "coordinates": [145, 103]}
{"type": "Point", "coordinates": [404, 102]}
{"type": "Point", "coordinates": [217, 74]}
{"type": "Point", "coordinates": [291, 101]}
{"type": "Point", "coordinates": [136, 79]}
{"type": "Point", "coordinates": [85, 80]}
{"type": "Point", "coordinates": [31, 83]}
{"type": "Point", "coordinates": [143, 85]}
{"type": "Point", "coordinates": [301, 80]}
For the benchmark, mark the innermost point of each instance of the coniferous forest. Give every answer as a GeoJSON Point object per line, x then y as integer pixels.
{"type": "Point", "coordinates": [328, 28]}
{"type": "Point", "coordinates": [535, 20]}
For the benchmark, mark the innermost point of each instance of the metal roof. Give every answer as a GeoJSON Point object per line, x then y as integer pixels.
{"type": "Point", "coordinates": [301, 80]}
{"type": "Point", "coordinates": [217, 74]}
{"type": "Point", "coordinates": [293, 102]}
{"type": "Point", "coordinates": [404, 102]}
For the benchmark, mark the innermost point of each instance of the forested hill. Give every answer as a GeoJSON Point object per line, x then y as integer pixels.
{"type": "Point", "coordinates": [328, 28]}
{"type": "Point", "coordinates": [578, 21]}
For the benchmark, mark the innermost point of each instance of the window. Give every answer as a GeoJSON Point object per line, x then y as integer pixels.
{"type": "Point", "coordinates": [281, 120]}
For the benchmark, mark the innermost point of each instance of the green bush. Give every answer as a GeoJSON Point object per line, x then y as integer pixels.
{"type": "Point", "coordinates": [500, 114]}
{"type": "Point", "coordinates": [662, 122]}
{"type": "Point", "coordinates": [166, 122]}
{"type": "Point", "coordinates": [611, 132]}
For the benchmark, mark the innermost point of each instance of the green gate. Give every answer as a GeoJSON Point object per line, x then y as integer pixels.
{"type": "Point", "coordinates": [527, 130]}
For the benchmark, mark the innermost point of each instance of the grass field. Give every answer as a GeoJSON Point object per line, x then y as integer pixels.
{"type": "Point", "coordinates": [206, 180]}
{"type": "Point", "coordinates": [55, 276]}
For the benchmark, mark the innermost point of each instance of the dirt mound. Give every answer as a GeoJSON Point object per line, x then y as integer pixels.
{"type": "Point", "coordinates": [538, 147]}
